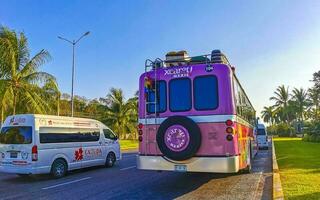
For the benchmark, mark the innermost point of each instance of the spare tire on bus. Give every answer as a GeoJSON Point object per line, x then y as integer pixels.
{"type": "Point", "coordinates": [179, 138]}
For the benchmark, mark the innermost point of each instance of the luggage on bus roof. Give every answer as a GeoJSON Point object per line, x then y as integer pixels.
{"type": "Point", "coordinates": [199, 59]}
{"type": "Point", "coordinates": [218, 57]}
{"type": "Point", "coordinates": [178, 58]}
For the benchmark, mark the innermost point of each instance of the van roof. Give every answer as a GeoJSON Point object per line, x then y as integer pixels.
{"type": "Point", "coordinates": [52, 120]}
{"type": "Point", "coordinates": [51, 117]}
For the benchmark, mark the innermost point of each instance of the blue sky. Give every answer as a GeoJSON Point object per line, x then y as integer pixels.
{"type": "Point", "coordinates": [271, 43]}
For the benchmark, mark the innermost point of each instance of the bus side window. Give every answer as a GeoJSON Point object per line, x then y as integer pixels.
{"type": "Point", "coordinates": [237, 95]}
{"type": "Point", "coordinates": [108, 134]}
{"type": "Point", "coordinates": [243, 106]}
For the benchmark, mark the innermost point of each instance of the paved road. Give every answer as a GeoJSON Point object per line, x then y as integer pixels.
{"type": "Point", "coordinates": [124, 181]}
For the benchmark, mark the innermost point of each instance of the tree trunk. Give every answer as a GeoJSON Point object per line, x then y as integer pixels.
{"type": "Point", "coordinates": [14, 103]}
{"type": "Point", "coordinates": [58, 106]}
{"type": "Point", "coordinates": [288, 121]}
{"type": "Point", "coordinates": [316, 117]}
{"type": "Point", "coordinates": [2, 115]}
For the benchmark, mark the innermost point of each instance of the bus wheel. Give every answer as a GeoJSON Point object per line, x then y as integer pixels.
{"type": "Point", "coordinates": [59, 168]}
{"type": "Point", "coordinates": [111, 159]}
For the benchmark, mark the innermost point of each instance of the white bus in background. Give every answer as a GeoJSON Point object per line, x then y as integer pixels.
{"type": "Point", "coordinates": [262, 136]}
{"type": "Point", "coordinates": [41, 144]}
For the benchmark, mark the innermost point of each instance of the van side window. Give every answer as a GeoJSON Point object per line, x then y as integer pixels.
{"type": "Point", "coordinates": [108, 134]}
{"type": "Point", "coordinates": [65, 135]}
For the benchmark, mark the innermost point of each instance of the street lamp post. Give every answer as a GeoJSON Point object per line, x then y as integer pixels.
{"type": "Point", "coordinates": [73, 42]}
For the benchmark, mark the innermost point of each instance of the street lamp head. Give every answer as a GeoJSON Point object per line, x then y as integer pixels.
{"type": "Point", "coordinates": [87, 33]}
{"type": "Point", "coordinates": [61, 38]}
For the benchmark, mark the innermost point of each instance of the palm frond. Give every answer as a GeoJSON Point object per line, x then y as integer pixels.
{"type": "Point", "coordinates": [34, 63]}
{"type": "Point", "coordinates": [38, 77]}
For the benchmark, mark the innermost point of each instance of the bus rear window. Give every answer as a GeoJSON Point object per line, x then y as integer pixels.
{"type": "Point", "coordinates": [16, 135]}
{"type": "Point", "coordinates": [161, 98]}
{"type": "Point", "coordinates": [180, 95]}
{"type": "Point", "coordinates": [205, 90]}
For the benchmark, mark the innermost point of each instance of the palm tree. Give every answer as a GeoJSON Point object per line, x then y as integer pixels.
{"type": "Point", "coordinates": [281, 99]}
{"type": "Point", "coordinates": [314, 96]}
{"type": "Point", "coordinates": [95, 109]}
{"type": "Point", "coordinates": [20, 78]}
{"type": "Point", "coordinates": [316, 80]}
{"type": "Point", "coordinates": [300, 98]}
{"type": "Point", "coordinates": [120, 114]}
{"type": "Point", "coordinates": [268, 114]}
{"type": "Point", "coordinates": [52, 94]}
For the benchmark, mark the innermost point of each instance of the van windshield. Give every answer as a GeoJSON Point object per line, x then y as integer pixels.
{"type": "Point", "coordinates": [261, 132]}
{"type": "Point", "coordinates": [16, 135]}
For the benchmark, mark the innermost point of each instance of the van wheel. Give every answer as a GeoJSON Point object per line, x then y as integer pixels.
{"type": "Point", "coordinates": [59, 168]}
{"type": "Point", "coordinates": [111, 159]}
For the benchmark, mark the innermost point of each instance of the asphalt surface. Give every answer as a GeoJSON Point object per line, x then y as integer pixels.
{"type": "Point", "coordinates": [124, 181]}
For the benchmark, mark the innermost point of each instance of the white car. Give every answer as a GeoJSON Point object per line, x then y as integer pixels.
{"type": "Point", "coordinates": [41, 144]}
{"type": "Point", "coordinates": [262, 136]}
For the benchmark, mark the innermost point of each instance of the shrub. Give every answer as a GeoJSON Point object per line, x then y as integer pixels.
{"type": "Point", "coordinates": [311, 138]}
{"type": "Point", "coordinates": [306, 138]}
{"type": "Point", "coordinates": [284, 129]}
{"type": "Point", "coordinates": [272, 130]}
{"type": "Point", "coordinates": [318, 138]}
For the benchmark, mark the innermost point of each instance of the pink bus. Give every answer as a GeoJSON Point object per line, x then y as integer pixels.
{"type": "Point", "coordinates": [194, 116]}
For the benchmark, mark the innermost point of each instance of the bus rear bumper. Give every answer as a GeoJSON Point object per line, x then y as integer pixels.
{"type": "Point", "coordinates": [195, 164]}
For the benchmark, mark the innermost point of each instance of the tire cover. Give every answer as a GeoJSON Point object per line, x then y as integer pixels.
{"type": "Point", "coordinates": [179, 138]}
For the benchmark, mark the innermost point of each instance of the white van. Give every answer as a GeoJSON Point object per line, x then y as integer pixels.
{"type": "Point", "coordinates": [262, 136]}
{"type": "Point", "coordinates": [40, 144]}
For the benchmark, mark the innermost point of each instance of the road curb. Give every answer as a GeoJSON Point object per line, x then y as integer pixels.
{"type": "Point", "coordinates": [277, 187]}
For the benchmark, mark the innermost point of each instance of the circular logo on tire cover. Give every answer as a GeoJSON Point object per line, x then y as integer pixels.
{"type": "Point", "coordinates": [177, 138]}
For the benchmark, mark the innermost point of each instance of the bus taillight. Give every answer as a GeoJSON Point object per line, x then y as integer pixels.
{"type": "Point", "coordinates": [229, 137]}
{"type": "Point", "coordinates": [229, 130]}
{"type": "Point", "coordinates": [140, 126]}
{"type": "Point", "coordinates": [34, 152]}
{"type": "Point", "coordinates": [229, 122]}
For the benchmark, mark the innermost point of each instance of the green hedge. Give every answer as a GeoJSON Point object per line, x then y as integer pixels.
{"type": "Point", "coordinates": [311, 138]}
{"type": "Point", "coordinates": [282, 129]}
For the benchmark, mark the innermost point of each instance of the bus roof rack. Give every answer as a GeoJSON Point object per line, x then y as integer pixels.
{"type": "Point", "coordinates": [181, 58]}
